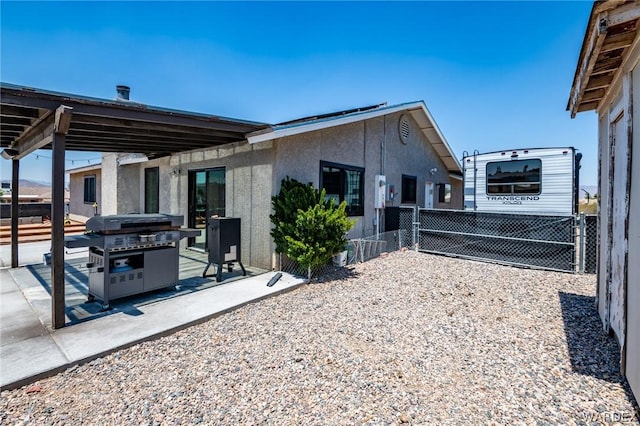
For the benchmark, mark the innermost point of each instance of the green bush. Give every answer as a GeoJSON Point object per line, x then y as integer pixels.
{"type": "Point", "coordinates": [308, 228]}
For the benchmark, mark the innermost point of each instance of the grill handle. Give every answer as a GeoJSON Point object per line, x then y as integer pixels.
{"type": "Point", "coordinates": [92, 267]}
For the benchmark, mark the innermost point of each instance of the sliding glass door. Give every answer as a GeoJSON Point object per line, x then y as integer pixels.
{"type": "Point", "coordinates": [206, 199]}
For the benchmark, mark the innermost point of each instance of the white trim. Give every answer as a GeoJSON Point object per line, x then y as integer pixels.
{"type": "Point", "coordinates": [456, 177]}
{"type": "Point", "coordinates": [83, 168]}
{"type": "Point", "coordinates": [295, 129]}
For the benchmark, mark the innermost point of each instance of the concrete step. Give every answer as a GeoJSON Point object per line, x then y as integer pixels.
{"type": "Point", "coordinates": [38, 232]}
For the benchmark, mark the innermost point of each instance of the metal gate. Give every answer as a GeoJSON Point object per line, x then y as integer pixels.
{"type": "Point", "coordinates": [539, 241]}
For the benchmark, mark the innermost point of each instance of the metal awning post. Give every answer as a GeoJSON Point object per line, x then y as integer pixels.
{"type": "Point", "coordinates": [15, 187]}
{"type": "Point", "coordinates": [61, 127]}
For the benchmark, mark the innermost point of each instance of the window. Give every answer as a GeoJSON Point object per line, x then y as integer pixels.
{"type": "Point", "coordinates": [344, 183]}
{"type": "Point", "coordinates": [90, 189]}
{"type": "Point", "coordinates": [152, 190]}
{"type": "Point", "coordinates": [514, 177]}
{"type": "Point", "coordinates": [444, 193]}
{"type": "Point", "coordinates": [409, 189]}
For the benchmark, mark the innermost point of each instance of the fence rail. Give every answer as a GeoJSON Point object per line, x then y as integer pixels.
{"type": "Point", "coordinates": [558, 243]}
{"type": "Point", "coordinates": [357, 250]}
{"type": "Point", "coordinates": [537, 241]}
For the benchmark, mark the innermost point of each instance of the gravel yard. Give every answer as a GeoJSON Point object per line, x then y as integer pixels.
{"type": "Point", "coordinates": [407, 338]}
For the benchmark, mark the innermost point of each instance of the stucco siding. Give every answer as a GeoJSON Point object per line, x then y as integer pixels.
{"type": "Point", "coordinates": [128, 189]}
{"type": "Point", "coordinates": [248, 189]}
{"type": "Point", "coordinates": [77, 206]}
{"type": "Point", "coordinates": [254, 171]}
{"type": "Point", "coordinates": [374, 144]}
{"type": "Point", "coordinates": [108, 203]}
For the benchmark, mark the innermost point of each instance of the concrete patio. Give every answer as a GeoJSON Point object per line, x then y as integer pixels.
{"type": "Point", "coordinates": [30, 348]}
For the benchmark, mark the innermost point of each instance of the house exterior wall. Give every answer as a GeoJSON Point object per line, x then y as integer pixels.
{"type": "Point", "coordinates": [248, 191]}
{"type": "Point", "coordinates": [375, 145]}
{"type": "Point", "coordinates": [619, 212]}
{"type": "Point", "coordinates": [108, 201]}
{"type": "Point", "coordinates": [254, 173]}
{"type": "Point", "coordinates": [77, 206]}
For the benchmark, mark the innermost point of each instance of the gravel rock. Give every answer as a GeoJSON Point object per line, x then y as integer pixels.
{"type": "Point", "coordinates": [405, 339]}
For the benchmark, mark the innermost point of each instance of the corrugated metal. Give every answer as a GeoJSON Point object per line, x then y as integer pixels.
{"type": "Point", "coordinates": [557, 183]}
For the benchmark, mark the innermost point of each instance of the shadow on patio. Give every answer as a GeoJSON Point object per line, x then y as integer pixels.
{"type": "Point", "coordinates": [78, 309]}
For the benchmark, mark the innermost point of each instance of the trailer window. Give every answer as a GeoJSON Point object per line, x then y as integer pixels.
{"type": "Point", "coordinates": [514, 177]}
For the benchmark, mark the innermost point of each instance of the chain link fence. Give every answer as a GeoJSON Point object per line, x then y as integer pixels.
{"type": "Point", "coordinates": [408, 224]}
{"type": "Point", "coordinates": [545, 242]}
{"type": "Point", "coordinates": [590, 254]}
{"type": "Point", "coordinates": [363, 249]}
{"type": "Point", "coordinates": [561, 243]}
{"type": "Point", "coordinates": [357, 250]}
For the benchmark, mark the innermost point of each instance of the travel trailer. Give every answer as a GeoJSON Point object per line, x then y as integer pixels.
{"type": "Point", "coordinates": [534, 180]}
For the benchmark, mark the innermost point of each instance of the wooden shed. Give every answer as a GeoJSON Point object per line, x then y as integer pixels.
{"type": "Point", "coordinates": [607, 80]}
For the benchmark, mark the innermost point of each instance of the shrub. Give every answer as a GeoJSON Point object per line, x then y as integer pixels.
{"type": "Point", "coordinates": [308, 228]}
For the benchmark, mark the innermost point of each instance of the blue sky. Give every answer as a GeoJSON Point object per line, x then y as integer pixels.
{"type": "Point", "coordinates": [495, 75]}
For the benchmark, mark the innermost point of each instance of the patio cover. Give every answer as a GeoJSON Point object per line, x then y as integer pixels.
{"type": "Point", "coordinates": [32, 119]}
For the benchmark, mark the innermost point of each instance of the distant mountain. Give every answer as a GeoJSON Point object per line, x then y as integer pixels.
{"type": "Point", "coordinates": [30, 183]}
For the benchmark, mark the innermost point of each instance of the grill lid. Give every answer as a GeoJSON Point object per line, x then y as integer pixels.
{"type": "Point", "coordinates": [132, 222]}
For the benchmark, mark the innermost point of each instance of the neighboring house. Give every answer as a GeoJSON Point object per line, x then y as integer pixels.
{"type": "Point", "coordinates": [607, 80]}
{"type": "Point", "coordinates": [85, 187]}
{"type": "Point", "coordinates": [22, 198]}
{"type": "Point", "coordinates": [342, 152]}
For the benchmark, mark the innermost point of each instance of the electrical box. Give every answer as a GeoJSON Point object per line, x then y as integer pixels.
{"type": "Point", "coordinates": [380, 190]}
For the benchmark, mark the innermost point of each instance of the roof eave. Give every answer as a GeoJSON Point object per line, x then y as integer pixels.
{"type": "Point", "coordinates": [604, 15]}
{"type": "Point", "coordinates": [429, 128]}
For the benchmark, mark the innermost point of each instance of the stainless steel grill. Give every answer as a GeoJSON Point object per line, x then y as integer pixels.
{"type": "Point", "coordinates": [131, 254]}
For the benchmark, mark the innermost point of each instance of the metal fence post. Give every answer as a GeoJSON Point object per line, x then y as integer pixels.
{"type": "Point", "coordinates": [416, 226]}
{"type": "Point", "coordinates": [582, 242]}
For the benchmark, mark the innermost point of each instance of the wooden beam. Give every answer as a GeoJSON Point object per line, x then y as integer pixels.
{"type": "Point", "coordinates": [624, 13]}
{"type": "Point", "coordinates": [20, 121]}
{"type": "Point", "coordinates": [75, 143]}
{"type": "Point", "coordinates": [588, 106]}
{"type": "Point", "coordinates": [7, 127]}
{"type": "Point", "coordinates": [596, 40]}
{"type": "Point", "coordinates": [36, 136]}
{"type": "Point", "coordinates": [593, 95]}
{"type": "Point", "coordinates": [618, 41]}
{"type": "Point", "coordinates": [63, 119]}
{"type": "Point", "coordinates": [600, 81]}
{"type": "Point", "coordinates": [607, 65]}
{"type": "Point", "coordinates": [90, 131]}
{"type": "Point", "coordinates": [18, 111]}
{"type": "Point", "coordinates": [126, 124]}
{"type": "Point", "coordinates": [57, 231]}
{"type": "Point", "coordinates": [15, 190]}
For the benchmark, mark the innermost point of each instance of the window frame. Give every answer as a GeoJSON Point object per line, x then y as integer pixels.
{"type": "Point", "coordinates": [343, 169]}
{"type": "Point", "coordinates": [444, 193]}
{"type": "Point", "coordinates": [151, 192]}
{"type": "Point", "coordinates": [514, 183]}
{"type": "Point", "coordinates": [89, 190]}
{"type": "Point", "coordinates": [404, 198]}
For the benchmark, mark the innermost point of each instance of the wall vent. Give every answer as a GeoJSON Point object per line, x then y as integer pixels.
{"type": "Point", "coordinates": [404, 128]}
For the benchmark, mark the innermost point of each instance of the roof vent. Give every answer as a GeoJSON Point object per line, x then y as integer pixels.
{"type": "Point", "coordinates": [404, 128]}
{"type": "Point", "coordinates": [123, 92]}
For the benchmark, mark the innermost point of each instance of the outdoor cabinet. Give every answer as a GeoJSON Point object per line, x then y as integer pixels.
{"type": "Point", "coordinates": [223, 244]}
